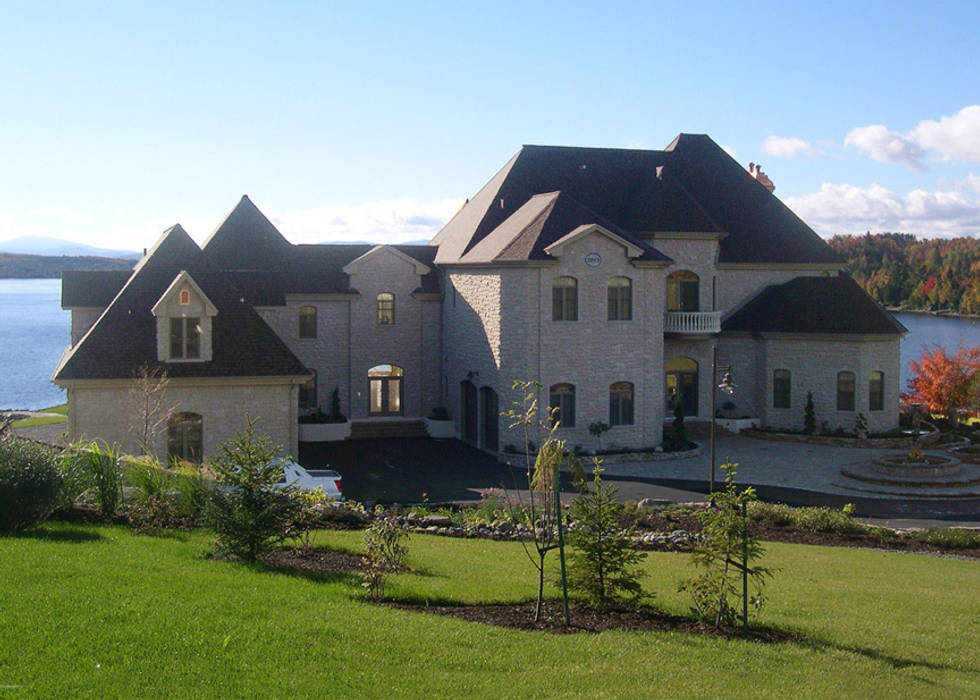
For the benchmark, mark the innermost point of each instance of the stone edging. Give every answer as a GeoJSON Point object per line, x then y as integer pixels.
{"type": "Point", "coordinates": [895, 443]}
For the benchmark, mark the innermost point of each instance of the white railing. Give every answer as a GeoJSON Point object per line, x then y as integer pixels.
{"type": "Point", "coordinates": [692, 322]}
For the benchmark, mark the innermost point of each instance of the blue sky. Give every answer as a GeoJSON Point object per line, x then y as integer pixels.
{"type": "Point", "coordinates": [374, 120]}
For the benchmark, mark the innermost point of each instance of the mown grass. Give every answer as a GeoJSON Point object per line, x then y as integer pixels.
{"type": "Point", "coordinates": [60, 409]}
{"type": "Point", "coordinates": [98, 612]}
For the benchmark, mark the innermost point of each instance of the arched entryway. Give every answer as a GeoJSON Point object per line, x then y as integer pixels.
{"type": "Point", "coordinates": [385, 390]}
{"type": "Point", "coordinates": [682, 385]}
{"type": "Point", "coordinates": [489, 430]}
{"type": "Point", "coordinates": [468, 410]}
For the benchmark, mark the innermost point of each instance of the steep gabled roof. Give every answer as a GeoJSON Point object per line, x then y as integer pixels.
{"type": "Point", "coordinates": [814, 305]}
{"type": "Point", "coordinates": [92, 289]}
{"type": "Point", "coordinates": [543, 220]}
{"type": "Point", "coordinates": [692, 186]}
{"type": "Point", "coordinates": [124, 336]}
{"type": "Point", "coordinates": [246, 240]}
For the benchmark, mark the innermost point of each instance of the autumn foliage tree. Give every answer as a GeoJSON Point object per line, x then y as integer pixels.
{"type": "Point", "coordinates": [943, 383]}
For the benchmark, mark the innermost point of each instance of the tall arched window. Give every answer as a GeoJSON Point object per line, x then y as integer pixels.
{"type": "Point", "coordinates": [845, 391]}
{"type": "Point", "coordinates": [185, 436]}
{"type": "Point", "coordinates": [386, 309]}
{"type": "Point", "coordinates": [683, 291]}
{"type": "Point", "coordinates": [781, 396]}
{"type": "Point", "coordinates": [562, 397]}
{"type": "Point", "coordinates": [876, 391]}
{"type": "Point", "coordinates": [621, 403]}
{"type": "Point", "coordinates": [307, 322]}
{"type": "Point", "coordinates": [564, 299]}
{"type": "Point", "coordinates": [620, 297]}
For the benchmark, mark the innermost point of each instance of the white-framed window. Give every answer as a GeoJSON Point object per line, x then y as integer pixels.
{"type": "Point", "coordinates": [185, 338]}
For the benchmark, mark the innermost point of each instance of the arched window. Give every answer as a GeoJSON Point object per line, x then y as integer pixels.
{"type": "Point", "coordinates": [621, 403]}
{"type": "Point", "coordinates": [562, 397]}
{"type": "Point", "coordinates": [307, 322]}
{"type": "Point", "coordinates": [386, 309]}
{"type": "Point", "coordinates": [620, 296]}
{"type": "Point", "coordinates": [683, 291]}
{"type": "Point", "coordinates": [876, 391]}
{"type": "Point", "coordinates": [185, 436]}
{"type": "Point", "coordinates": [781, 396]}
{"type": "Point", "coordinates": [845, 391]}
{"type": "Point", "coordinates": [564, 299]}
{"type": "Point", "coordinates": [682, 385]}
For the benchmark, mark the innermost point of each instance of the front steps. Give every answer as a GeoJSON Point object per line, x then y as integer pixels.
{"type": "Point", "coordinates": [380, 429]}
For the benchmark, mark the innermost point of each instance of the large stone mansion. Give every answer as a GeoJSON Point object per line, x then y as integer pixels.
{"type": "Point", "coordinates": [610, 276]}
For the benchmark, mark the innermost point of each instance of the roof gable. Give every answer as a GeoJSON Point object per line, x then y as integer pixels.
{"type": "Point", "coordinates": [181, 281]}
{"type": "Point", "coordinates": [352, 267]}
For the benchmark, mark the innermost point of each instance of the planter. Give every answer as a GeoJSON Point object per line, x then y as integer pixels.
{"type": "Point", "coordinates": [440, 429]}
{"type": "Point", "coordinates": [737, 425]}
{"type": "Point", "coordinates": [324, 432]}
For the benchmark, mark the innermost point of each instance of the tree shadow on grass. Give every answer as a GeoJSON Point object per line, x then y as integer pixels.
{"type": "Point", "coordinates": [895, 662]}
{"type": "Point", "coordinates": [55, 535]}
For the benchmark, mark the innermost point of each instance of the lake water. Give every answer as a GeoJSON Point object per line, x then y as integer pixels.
{"type": "Point", "coordinates": [34, 332]}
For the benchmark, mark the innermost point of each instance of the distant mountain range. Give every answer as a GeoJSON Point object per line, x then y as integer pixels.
{"type": "Point", "coordinates": [40, 245]}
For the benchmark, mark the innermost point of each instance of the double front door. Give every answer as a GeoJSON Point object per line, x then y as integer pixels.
{"type": "Point", "coordinates": [385, 390]}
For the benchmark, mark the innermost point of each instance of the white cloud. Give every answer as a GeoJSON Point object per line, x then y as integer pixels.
{"type": "Point", "coordinates": [954, 138]}
{"type": "Point", "coordinates": [951, 138]}
{"type": "Point", "coordinates": [386, 221]}
{"type": "Point", "coordinates": [60, 214]}
{"type": "Point", "coordinates": [789, 147]}
{"type": "Point", "coordinates": [850, 209]}
{"type": "Point", "coordinates": [885, 146]}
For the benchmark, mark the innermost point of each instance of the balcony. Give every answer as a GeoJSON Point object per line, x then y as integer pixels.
{"type": "Point", "coordinates": [692, 322]}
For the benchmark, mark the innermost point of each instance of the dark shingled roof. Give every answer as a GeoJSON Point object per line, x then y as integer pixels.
{"type": "Point", "coordinates": [125, 335]}
{"type": "Point", "coordinates": [544, 219]}
{"type": "Point", "coordinates": [692, 186]}
{"type": "Point", "coordinates": [814, 305]}
{"type": "Point", "coordinates": [91, 288]}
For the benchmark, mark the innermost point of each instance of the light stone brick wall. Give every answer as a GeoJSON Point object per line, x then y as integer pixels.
{"type": "Point", "coordinates": [814, 364]}
{"type": "Point", "coordinates": [107, 412]}
{"type": "Point", "coordinates": [327, 353]}
{"type": "Point", "coordinates": [81, 321]}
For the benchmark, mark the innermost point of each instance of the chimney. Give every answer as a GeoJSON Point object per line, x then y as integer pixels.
{"type": "Point", "coordinates": [755, 170]}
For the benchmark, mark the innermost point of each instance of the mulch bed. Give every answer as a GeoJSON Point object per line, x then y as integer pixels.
{"type": "Point", "coordinates": [313, 560]}
{"type": "Point", "coordinates": [586, 619]}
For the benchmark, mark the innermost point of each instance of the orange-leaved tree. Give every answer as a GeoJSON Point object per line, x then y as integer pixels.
{"type": "Point", "coordinates": [944, 383]}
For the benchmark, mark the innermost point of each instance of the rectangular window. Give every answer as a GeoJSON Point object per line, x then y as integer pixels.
{"type": "Point", "coordinates": [781, 397]}
{"type": "Point", "coordinates": [876, 391]}
{"type": "Point", "coordinates": [185, 338]}
{"type": "Point", "coordinates": [307, 322]}
{"type": "Point", "coordinates": [564, 299]}
{"type": "Point", "coordinates": [845, 391]}
{"type": "Point", "coordinates": [620, 297]}
{"type": "Point", "coordinates": [621, 404]}
{"type": "Point", "coordinates": [307, 394]}
{"type": "Point", "coordinates": [386, 309]}
{"type": "Point", "coordinates": [562, 397]}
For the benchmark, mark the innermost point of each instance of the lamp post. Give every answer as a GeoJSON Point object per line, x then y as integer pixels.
{"type": "Point", "coordinates": [728, 386]}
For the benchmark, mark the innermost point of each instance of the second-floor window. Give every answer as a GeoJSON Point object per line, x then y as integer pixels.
{"type": "Point", "coordinates": [307, 322]}
{"type": "Point", "coordinates": [386, 309]}
{"type": "Point", "coordinates": [620, 298]}
{"type": "Point", "coordinates": [185, 338]}
{"type": "Point", "coordinates": [564, 299]}
{"type": "Point", "coordinates": [683, 291]}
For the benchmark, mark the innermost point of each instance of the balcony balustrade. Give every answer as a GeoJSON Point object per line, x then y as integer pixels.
{"type": "Point", "coordinates": [692, 322]}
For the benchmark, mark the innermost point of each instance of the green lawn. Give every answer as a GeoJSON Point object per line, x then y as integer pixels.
{"type": "Point", "coordinates": [99, 612]}
{"type": "Point", "coordinates": [62, 417]}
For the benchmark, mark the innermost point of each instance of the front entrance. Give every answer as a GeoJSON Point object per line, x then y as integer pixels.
{"type": "Point", "coordinates": [682, 385]}
{"type": "Point", "coordinates": [489, 426]}
{"type": "Point", "coordinates": [385, 390]}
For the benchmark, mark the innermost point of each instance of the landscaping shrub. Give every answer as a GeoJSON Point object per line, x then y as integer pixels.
{"type": "Point", "coordinates": [810, 519]}
{"type": "Point", "coordinates": [949, 538]}
{"type": "Point", "coordinates": [602, 563]}
{"type": "Point", "coordinates": [30, 484]}
{"type": "Point", "coordinates": [384, 553]}
{"type": "Point", "coordinates": [724, 549]}
{"type": "Point", "coordinates": [97, 465]}
{"type": "Point", "coordinates": [246, 510]}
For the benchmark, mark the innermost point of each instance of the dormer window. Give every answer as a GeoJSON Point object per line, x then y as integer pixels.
{"type": "Point", "coordinates": [185, 338]}
{"type": "Point", "coordinates": [184, 316]}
